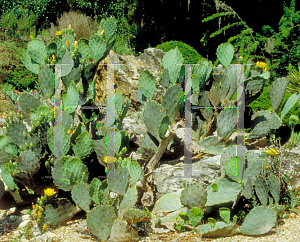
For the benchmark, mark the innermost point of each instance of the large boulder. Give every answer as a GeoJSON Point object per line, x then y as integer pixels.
{"type": "Point", "coordinates": [127, 73]}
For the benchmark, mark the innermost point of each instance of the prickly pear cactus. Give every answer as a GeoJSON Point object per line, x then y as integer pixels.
{"type": "Point", "coordinates": [259, 221]}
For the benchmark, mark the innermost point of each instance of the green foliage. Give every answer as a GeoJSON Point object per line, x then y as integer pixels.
{"type": "Point", "coordinates": [7, 88]}
{"type": "Point", "coordinates": [21, 78]}
{"type": "Point", "coordinates": [15, 26]}
{"type": "Point", "coordinates": [121, 47]}
{"type": "Point", "coordinates": [189, 54]}
{"type": "Point", "coordinates": [276, 49]}
{"type": "Point", "coordinates": [263, 103]}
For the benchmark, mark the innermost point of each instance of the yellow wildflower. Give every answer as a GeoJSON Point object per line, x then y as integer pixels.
{"type": "Point", "coordinates": [109, 159]}
{"type": "Point", "coordinates": [272, 152]}
{"type": "Point", "coordinates": [49, 192]}
{"type": "Point", "coordinates": [261, 64]}
{"type": "Point", "coordinates": [53, 58]}
{"type": "Point", "coordinates": [58, 33]}
{"type": "Point", "coordinates": [76, 44]}
{"type": "Point", "coordinates": [41, 209]}
{"type": "Point", "coordinates": [67, 42]}
{"type": "Point", "coordinates": [33, 207]}
{"type": "Point", "coordinates": [69, 26]}
{"type": "Point", "coordinates": [69, 130]}
{"type": "Point", "coordinates": [102, 32]}
{"type": "Point", "coordinates": [44, 226]}
{"type": "Point", "coordinates": [73, 131]}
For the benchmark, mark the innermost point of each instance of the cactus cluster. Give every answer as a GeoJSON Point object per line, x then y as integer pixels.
{"type": "Point", "coordinates": [219, 90]}
{"type": "Point", "coordinates": [27, 156]}
{"type": "Point", "coordinates": [226, 191]}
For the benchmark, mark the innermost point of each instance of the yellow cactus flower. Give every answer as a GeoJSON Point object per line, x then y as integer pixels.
{"type": "Point", "coordinates": [76, 44]}
{"type": "Point", "coordinates": [44, 226]}
{"type": "Point", "coordinates": [49, 192]}
{"type": "Point", "coordinates": [261, 64]}
{"type": "Point", "coordinates": [67, 42]}
{"type": "Point", "coordinates": [53, 58]}
{"type": "Point", "coordinates": [69, 26]}
{"type": "Point", "coordinates": [109, 159]}
{"type": "Point", "coordinates": [58, 33]}
{"type": "Point", "coordinates": [69, 130]}
{"type": "Point", "coordinates": [267, 166]}
{"type": "Point", "coordinates": [40, 214]}
{"type": "Point", "coordinates": [272, 152]}
{"type": "Point", "coordinates": [102, 32]}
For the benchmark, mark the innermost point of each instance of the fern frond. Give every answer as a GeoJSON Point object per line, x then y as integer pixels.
{"type": "Point", "coordinates": [216, 15]}
{"type": "Point", "coordinates": [224, 28]}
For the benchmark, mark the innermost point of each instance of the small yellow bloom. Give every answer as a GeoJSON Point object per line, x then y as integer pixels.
{"type": "Point", "coordinates": [44, 226]}
{"type": "Point", "coordinates": [40, 214]}
{"type": "Point", "coordinates": [33, 207]}
{"type": "Point", "coordinates": [49, 192]}
{"type": "Point", "coordinates": [5, 115]}
{"type": "Point", "coordinates": [267, 166]}
{"type": "Point", "coordinates": [67, 42]}
{"type": "Point", "coordinates": [53, 58]}
{"type": "Point", "coordinates": [41, 209]}
{"type": "Point", "coordinates": [73, 131]}
{"type": "Point", "coordinates": [109, 159]}
{"type": "Point", "coordinates": [69, 130]}
{"type": "Point", "coordinates": [69, 26]}
{"type": "Point", "coordinates": [272, 152]}
{"type": "Point", "coordinates": [76, 44]}
{"type": "Point", "coordinates": [102, 32]}
{"type": "Point", "coordinates": [261, 64]}
{"type": "Point", "coordinates": [58, 33]}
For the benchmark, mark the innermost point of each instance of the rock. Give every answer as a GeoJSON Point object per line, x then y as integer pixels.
{"type": "Point", "coordinates": [46, 237]}
{"type": "Point", "coordinates": [23, 224]}
{"type": "Point", "coordinates": [127, 75]}
{"type": "Point", "coordinates": [204, 171]}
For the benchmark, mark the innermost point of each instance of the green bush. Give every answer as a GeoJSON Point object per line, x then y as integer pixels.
{"type": "Point", "coordinates": [189, 54]}
{"type": "Point", "coordinates": [21, 78]}
{"type": "Point", "coordinates": [15, 27]}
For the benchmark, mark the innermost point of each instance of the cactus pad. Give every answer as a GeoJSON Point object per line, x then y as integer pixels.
{"type": "Point", "coordinates": [194, 195]}
{"type": "Point", "coordinates": [259, 221]}
{"type": "Point", "coordinates": [100, 221]}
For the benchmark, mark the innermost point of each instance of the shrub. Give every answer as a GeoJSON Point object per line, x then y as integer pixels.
{"type": "Point", "coordinates": [83, 26]}
{"type": "Point", "coordinates": [10, 57]}
{"type": "Point", "coordinates": [15, 26]}
{"type": "Point", "coordinates": [189, 54]}
{"type": "Point", "coordinates": [22, 78]}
